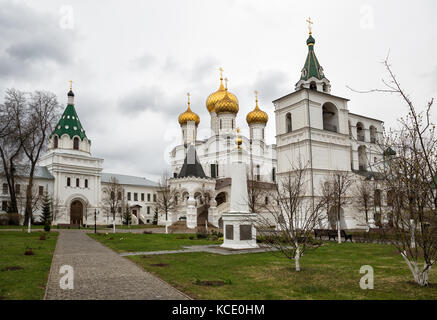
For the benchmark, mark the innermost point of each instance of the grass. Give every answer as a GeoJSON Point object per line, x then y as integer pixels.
{"type": "Point", "coordinates": [29, 279]}
{"type": "Point", "coordinates": [22, 227]}
{"type": "Point", "coordinates": [132, 242]}
{"type": "Point", "coordinates": [330, 272]}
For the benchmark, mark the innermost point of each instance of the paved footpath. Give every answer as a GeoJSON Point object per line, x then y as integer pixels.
{"type": "Point", "coordinates": [102, 274]}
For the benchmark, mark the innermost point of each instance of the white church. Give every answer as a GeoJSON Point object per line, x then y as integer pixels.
{"type": "Point", "coordinates": [312, 125]}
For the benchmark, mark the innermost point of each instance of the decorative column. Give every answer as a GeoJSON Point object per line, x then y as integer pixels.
{"type": "Point", "coordinates": [191, 212]}
{"type": "Point", "coordinates": [213, 213]}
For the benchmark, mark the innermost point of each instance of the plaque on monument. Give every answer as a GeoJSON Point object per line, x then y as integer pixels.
{"type": "Point", "coordinates": [245, 232]}
{"type": "Point", "coordinates": [229, 232]}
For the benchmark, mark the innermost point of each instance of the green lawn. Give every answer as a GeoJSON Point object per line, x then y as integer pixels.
{"type": "Point", "coordinates": [132, 242]}
{"type": "Point", "coordinates": [28, 282]}
{"type": "Point", "coordinates": [330, 272]}
{"type": "Point", "coordinates": [22, 227]}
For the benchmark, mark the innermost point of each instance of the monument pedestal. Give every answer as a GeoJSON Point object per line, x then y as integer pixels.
{"type": "Point", "coordinates": [239, 231]}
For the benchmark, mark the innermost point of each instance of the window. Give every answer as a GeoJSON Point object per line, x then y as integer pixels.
{"type": "Point", "coordinates": [55, 142]}
{"type": "Point", "coordinates": [68, 182]}
{"type": "Point", "coordinates": [112, 195]}
{"type": "Point", "coordinates": [313, 86]}
{"type": "Point", "coordinates": [375, 160]}
{"type": "Point", "coordinates": [119, 195]}
{"type": "Point", "coordinates": [266, 200]}
{"type": "Point", "coordinates": [148, 210]}
{"type": "Point", "coordinates": [221, 198]}
{"type": "Point", "coordinates": [4, 206]}
{"type": "Point", "coordinates": [135, 196]}
{"type": "Point", "coordinates": [372, 130]}
{"type": "Point", "coordinates": [330, 117]}
{"type": "Point", "coordinates": [377, 197]}
{"type": "Point", "coordinates": [77, 182]}
{"type": "Point", "coordinates": [17, 189]}
{"type": "Point", "coordinates": [362, 158]}
{"type": "Point", "coordinates": [220, 123]}
{"type": "Point", "coordinates": [288, 122]}
{"type": "Point", "coordinates": [40, 190]}
{"type": "Point", "coordinates": [5, 188]}
{"type": "Point", "coordinates": [258, 175]}
{"type": "Point", "coordinates": [232, 124]}
{"type": "Point", "coordinates": [274, 174]}
{"type": "Point", "coordinates": [119, 209]}
{"type": "Point", "coordinates": [360, 131]}
{"type": "Point", "coordinates": [154, 198]}
{"type": "Point", "coordinates": [76, 143]}
{"type": "Point", "coordinates": [148, 197]}
{"type": "Point", "coordinates": [175, 175]}
{"type": "Point", "coordinates": [213, 172]}
{"type": "Point", "coordinates": [86, 183]}
{"type": "Point", "coordinates": [148, 221]}
{"type": "Point", "coordinates": [128, 196]}
{"type": "Point", "coordinates": [142, 197]}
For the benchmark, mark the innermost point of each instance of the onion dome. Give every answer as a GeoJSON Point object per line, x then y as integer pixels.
{"type": "Point", "coordinates": [188, 115]}
{"type": "Point", "coordinates": [226, 105]}
{"type": "Point", "coordinates": [218, 95]}
{"type": "Point", "coordinates": [257, 115]}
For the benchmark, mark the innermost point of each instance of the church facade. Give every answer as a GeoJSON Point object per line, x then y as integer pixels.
{"type": "Point", "coordinates": [76, 183]}
{"type": "Point", "coordinates": [316, 128]}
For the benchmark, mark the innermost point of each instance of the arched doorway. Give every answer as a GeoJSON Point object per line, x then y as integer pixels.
{"type": "Point", "coordinates": [76, 212]}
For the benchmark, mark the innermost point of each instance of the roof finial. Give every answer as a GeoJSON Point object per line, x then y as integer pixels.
{"type": "Point", "coordinates": [256, 97]}
{"type": "Point", "coordinates": [189, 102]}
{"type": "Point", "coordinates": [226, 83]}
{"type": "Point", "coordinates": [221, 73]}
{"type": "Point", "coordinates": [238, 140]}
{"type": "Point", "coordinates": [309, 25]}
{"type": "Point", "coordinates": [71, 85]}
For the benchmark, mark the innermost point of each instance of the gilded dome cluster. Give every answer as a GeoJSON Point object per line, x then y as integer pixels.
{"type": "Point", "coordinates": [188, 115]}
{"type": "Point", "coordinates": [226, 105]}
{"type": "Point", "coordinates": [257, 115]}
{"type": "Point", "coordinates": [218, 95]}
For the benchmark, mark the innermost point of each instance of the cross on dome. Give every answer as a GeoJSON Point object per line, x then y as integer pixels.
{"type": "Point", "coordinates": [309, 25]}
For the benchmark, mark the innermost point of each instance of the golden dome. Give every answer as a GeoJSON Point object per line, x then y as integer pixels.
{"type": "Point", "coordinates": [188, 115]}
{"type": "Point", "coordinates": [218, 95]}
{"type": "Point", "coordinates": [226, 105]}
{"type": "Point", "coordinates": [257, 115]}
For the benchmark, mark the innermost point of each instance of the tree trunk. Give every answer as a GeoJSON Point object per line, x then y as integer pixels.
{"type": "Point", "coordinates": [297, 258]}
{"type": "Point", "coordinates": [413, 229]}
{"type": "Point", "coordinates": [420, 276]}
{"type": "Point", "coordinates": [28, 211]}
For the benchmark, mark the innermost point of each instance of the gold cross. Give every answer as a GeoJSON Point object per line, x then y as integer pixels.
{"type": "Point", "coordinates": [309, 24]}
{"type": "Point", "coordinates": [226, 83]}
{"type": "Point", "coordinates": [221, 72]}
{"type": "Point", "coordinates": [71, 84]}
{"type": "Point", "coordinates": [256, 94]}
{"type": "Point", "coordinates": [188, 95]}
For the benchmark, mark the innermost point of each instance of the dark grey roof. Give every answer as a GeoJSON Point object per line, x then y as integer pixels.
{"type": "Point", "coordinates": [191, 166]}
{"type": "Point", "coordinates": [128, 180]}
{"type": "Point", "coordinates": [40, 172]}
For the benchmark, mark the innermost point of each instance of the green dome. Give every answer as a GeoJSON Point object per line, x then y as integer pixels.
{"type": "Point", "coordinates": [311, 40]}
{"type": "Point", "coordinates": [69, 124]}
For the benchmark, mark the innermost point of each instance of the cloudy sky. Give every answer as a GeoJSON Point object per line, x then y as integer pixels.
{"type": "Point", "coordinates": [132, 62]}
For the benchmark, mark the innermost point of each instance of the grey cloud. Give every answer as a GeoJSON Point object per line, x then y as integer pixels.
{"type": "Point", "coordinates": [143, 62]}
{"type": "Point", "coordinates": [31, 42]}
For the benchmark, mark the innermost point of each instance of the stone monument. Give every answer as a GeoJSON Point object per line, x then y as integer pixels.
{"type": "Point", "coordinates": [238, 223]}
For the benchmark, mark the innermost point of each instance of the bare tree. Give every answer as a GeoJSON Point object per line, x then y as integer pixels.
{"type": "Point", "coordinates": [11, 150]}
{"type": "Point", "coordinates": [293, 213]}
{"type": "Point", "coordinates": [363, 197]}
{"type": "Point", "coordinates": [165, 200]}
{"type": "Point", "coordinates": [409, 172]}
{"type": "Point", "coordinates": [113, 195]}
{"type": "Point", "coordinates": [334, 188]}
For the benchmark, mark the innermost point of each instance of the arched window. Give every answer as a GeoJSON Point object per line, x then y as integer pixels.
{"type": "Point", "coordinates": [313, 86]}
{"type": "Point", "coordinates": [288, 126]}
{"type": "Point", "coordinates": [112, 195]}
{"type": "Point", "coordinates": [77, 182]}
{"type": "Point", "coordinates": [372, 130]}
{"type": "Point", "coordinates": [325, 87]}
{"type": "Point", "coordinates": [55, 142]}
{"type": "Point", "coordinates": [232, 124]}
{"type": "Point", "coordinates": [221, 124]}
{"type": "Point", "coordinates": [220, 198]}
{"type": "Point", "coordinates": [362, 158]}
{"type": "Point", "coordinates": [76, 143]}
{"type": "Point", "coordinates": [258, 175]}
{"type": "Point", "coordinates": [68, 182]}
{"type": "Point", "coordinates": [274, 174]}
{"type": "Point", "coordinates": [360, 131]}
{"type": "Point", "coordinates": [86, 183]}
{"type": "Point", "coordinates": [330, 117]}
